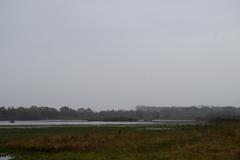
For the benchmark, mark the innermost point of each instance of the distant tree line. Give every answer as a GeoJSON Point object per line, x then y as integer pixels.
{"type": "Point", "coordinates": [64, 113]}
{"type": "Point", "coordinates": [192, 112]}
{"type": "Point", "coordinates": [141, 113]}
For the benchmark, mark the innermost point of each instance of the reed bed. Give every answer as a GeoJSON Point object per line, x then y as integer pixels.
{"type": "Point", "coordinates": [210, 142]}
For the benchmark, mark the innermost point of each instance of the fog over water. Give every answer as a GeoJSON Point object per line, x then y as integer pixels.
{"type": "Point", "coordinates": [117, 54]}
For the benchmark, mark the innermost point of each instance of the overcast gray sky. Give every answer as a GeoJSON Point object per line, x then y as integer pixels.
{"type": "Point", "coordinates": [109, 54]}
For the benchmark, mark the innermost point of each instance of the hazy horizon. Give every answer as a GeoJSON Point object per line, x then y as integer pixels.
{"type": "Point", "coordinates": [119, 54]}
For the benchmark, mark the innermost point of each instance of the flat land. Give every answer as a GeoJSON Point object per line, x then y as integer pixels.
{"type": "Point", "coordinates": [210, 142]}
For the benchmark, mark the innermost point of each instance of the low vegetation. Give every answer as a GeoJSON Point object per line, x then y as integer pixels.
{"type": "Point", "coordinates": [214, 141]}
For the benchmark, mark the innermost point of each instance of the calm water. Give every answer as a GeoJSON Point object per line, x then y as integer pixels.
{"type": "Point", "coordinates": [5, 157]}
{"type": "Point", "coordinates": [98, 123]}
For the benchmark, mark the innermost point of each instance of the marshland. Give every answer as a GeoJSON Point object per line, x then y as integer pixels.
{"type": "Point", "coordinates": [216, 140]}
{"type": "Point", "coordinates": [119, 80]}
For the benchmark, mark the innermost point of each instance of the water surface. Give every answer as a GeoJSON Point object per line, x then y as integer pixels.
{"type": "Point", "coordinates": [44, 123]}
{"type": "Point", "coordinates": [5, 157]}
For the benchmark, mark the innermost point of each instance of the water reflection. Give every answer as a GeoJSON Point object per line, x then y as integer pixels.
{"type": "Point", "coordinates": [97, 123]}
{"type": "Point", "coordinates": [5, 157]}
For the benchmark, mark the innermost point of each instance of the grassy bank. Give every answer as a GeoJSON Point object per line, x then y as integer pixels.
{"type": "Point", "coordinates": [215, 141]}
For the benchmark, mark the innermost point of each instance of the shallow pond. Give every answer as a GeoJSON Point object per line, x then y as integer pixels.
{"type": "Point", "coordinates": [46, 123]}
{"type": "Point", "coordinates": [5, 157]}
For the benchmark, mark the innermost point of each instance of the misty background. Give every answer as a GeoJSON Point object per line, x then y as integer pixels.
{"type": "Point", "coordinates": [117, 54]}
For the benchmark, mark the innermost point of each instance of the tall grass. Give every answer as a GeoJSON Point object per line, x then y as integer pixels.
{"type": "Point", "coordinates": [218, 141]}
